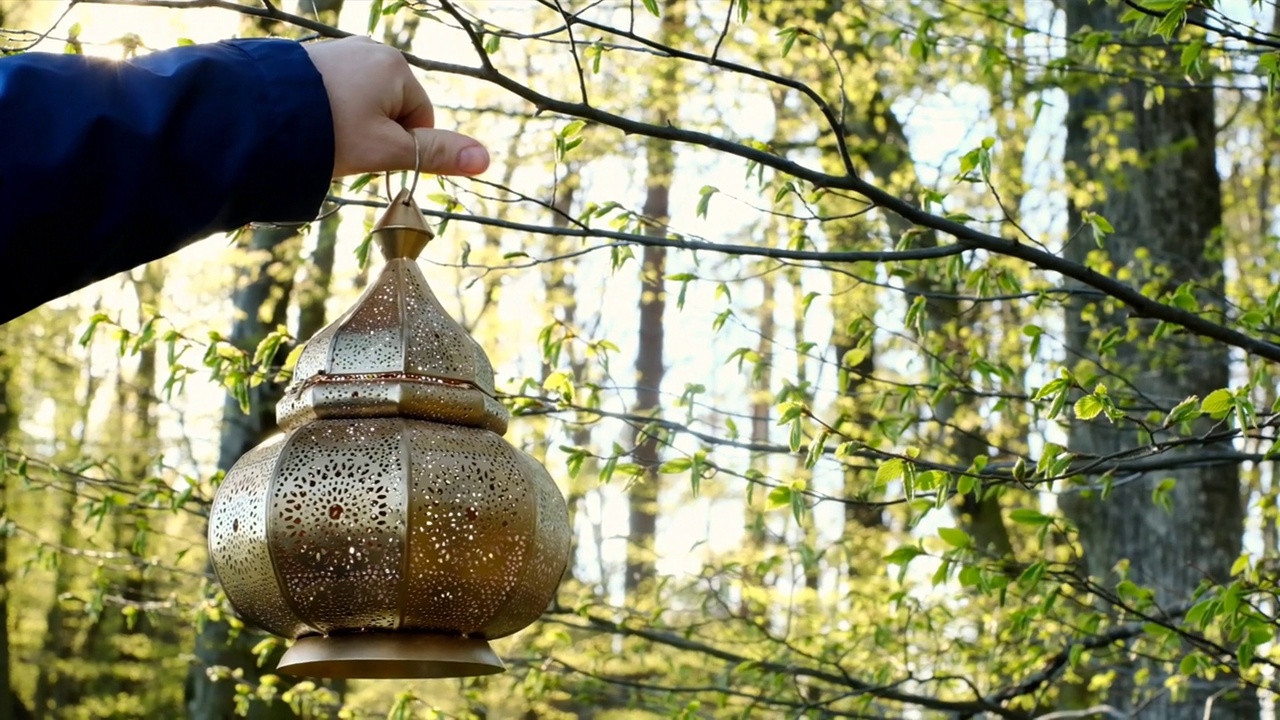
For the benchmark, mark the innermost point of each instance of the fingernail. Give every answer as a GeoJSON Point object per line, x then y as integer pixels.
{"type": "Point", "coordinates": [474, 159]}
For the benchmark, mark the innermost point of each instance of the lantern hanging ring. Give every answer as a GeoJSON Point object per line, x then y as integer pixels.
{"type": "Point", "coordinates": [417, 170]}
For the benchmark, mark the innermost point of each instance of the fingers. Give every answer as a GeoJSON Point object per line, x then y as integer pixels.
{"type": "Point", "coordinates": [441, 152]}
{"type": "Point", "coordinates": [416, 110]}
{"type": "Point", "coordinates": [379, 107]}
{"type": "Point", "coordinates": [444, 152]}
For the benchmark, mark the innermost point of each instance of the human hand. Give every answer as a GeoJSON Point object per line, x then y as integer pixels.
{"type": "Point", "coordinates": [377, 103]}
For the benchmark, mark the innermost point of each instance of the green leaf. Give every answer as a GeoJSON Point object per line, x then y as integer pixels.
{"type": "Point", "coordinates": [955, 537]}
{"type": "Point", "coordinates": [375, 14]}
{"type": "Point", "coordinates": [1160, 495]}
{"type": "Point", "coordinates": [816, 448]}
{"type": "Point", "coordinates": [1217, 404]}
{"type": "Point", "coordinates": [609, 467]}
{"type": "Point", "coordinates": [1170, 23]}
{"type": "Point", "coordinates": [1028, 516]}
{"type": "Point", "coordinates": [1185, 299]}
{"type": "Point", "coordinates": [790, 411]}
{"type": "Point", "coordinates": [1101, 226]}
{"type": "Point", "coordinates": [1051, 389]}
{"type": "Point", "coordinates": [1191, 57]}
{"type": "Point", "coordinates": [1240, 565]}
{"type": "Point", "coordinates": [788, 36]}
{"type": "Point", "coordinates": [572, 129]}
{"type": "Point", "coordinates": [87, 336]}
{"type": "Point", "coordinates": [780, 497]}
{"type": "Point", "coordinates": [652, 7]}
{"type": "Point", "coordinates": [360, 182]}
{"type": "Point", "coordinates": [854, 357]}
{"type": "Point", "coordinates": [1032, 574]}
{"type": "Point", "coordinates": [1184, 411]}
{"type": "Point", "coordinates": [915, 314]}
{"type": "Point", "coordinates": [796, 438]}
{"type": "Point", "coordinates": [903, 554]}
{"type": "Point", "coordinates": [704, 199]}
{"type": "Point", "coordinates": [1270, 63]}
{"type": "Point", "coordinates": [1244, 655]}
{"type": "Point", "coordinates": [403, 707]}
{"type": "Point", "coordinates": [889, 471]}
{"type": "Point", "coordinates": [675, 466]}
{"type": "Point", "coordinates": [560, 382]}
{"type": "Point", "coordinates": [1088, 407]}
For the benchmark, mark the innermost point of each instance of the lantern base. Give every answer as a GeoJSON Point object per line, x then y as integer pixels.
{"type": "Point", "coordinates": [389, 655]}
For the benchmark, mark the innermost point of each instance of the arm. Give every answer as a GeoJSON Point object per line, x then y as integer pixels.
{"type": "Point", "coordinates": [107, 165]}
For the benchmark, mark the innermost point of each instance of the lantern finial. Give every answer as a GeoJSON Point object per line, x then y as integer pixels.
{"type": "Point", "coordinates": [401, 232]}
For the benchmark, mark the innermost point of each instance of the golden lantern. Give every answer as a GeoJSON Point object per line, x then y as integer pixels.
{"type": "Point", "coordinates": [390, 529]}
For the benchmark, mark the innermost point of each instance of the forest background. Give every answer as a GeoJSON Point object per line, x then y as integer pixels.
{"type": "Point", "coordinates": [897, 359]}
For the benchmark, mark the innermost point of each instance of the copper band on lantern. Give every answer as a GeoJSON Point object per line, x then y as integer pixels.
{"type": "Point", "coordinates": [390, 529]}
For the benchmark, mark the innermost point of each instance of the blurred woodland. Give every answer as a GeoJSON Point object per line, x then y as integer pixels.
{"type": "Point", "coordinates": [897, 360]}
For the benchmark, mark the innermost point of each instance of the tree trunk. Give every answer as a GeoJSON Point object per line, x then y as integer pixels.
{"type": "Point", "coordinates": [56, 688]}
{"type": "Point", "coordinates": [263, 286]}
{"type": "Point", "coordinates": [315, 291]}
{"type": "Point", "coordinates": [121, 651]}
{"type": "Point", "coordinates": [661, 159]}
{"type": "Point", "coordinates": [878, 140]}
{"type": "Point", "coordinates": [757, 529]}
{"type": "Point", "coordinates": [561, 293]}
{"type": "Point", "coordinates": [1168, 204]}
{"type": "Point", "coordinates": [10, 705]}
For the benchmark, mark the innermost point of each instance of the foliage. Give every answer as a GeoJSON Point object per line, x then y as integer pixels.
{"type": "Point", "coordinates": [936, 405]}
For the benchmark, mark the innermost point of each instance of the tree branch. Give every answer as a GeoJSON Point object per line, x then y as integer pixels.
{"type": "Point", "coordinates": [876, 256]}
{"type": "Point", "coordinates": [887, 692]}
{"type": "Point", "coordinates": [969, 237]}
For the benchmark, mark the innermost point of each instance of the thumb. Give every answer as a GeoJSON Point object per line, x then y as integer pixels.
{"type": "Point", "coordinates": [444, 152]}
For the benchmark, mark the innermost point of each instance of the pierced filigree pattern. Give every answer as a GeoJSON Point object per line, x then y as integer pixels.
{"type": "Point", "coordinates": [238, 542]}
{"type": "Point", "coordinates": [440, 347]}
{"type": "Point", "coordinates": [371, 341]}
{"type": "Point", "coordinates": [473, 520]}
{"type": "Point", "coordinates": [338, 522]}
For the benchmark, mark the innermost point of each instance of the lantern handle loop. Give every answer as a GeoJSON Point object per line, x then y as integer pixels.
{"type": "Point", "coordinates": [417, 171]}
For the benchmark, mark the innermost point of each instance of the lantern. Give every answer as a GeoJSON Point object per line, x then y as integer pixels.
{"type": "Point", "coordinates": [390, 529]}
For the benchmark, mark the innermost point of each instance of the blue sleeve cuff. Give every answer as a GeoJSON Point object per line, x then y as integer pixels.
{"type": "Point", "coordinates": [291, 180]}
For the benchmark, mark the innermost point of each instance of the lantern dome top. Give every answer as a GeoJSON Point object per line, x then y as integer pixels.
{"type": "Point", "coordinates": [396, 353]}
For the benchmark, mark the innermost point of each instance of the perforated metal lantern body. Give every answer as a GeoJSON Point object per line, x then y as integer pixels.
{"type": "Point", "coordinates": [390, 528]}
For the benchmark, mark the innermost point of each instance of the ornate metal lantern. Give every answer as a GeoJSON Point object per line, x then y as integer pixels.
{"type": "Point", "coordinates": [390, 529]}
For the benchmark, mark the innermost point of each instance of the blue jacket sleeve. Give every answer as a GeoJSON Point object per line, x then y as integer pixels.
{"type": "Point", "coordinates": [106, 165]}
